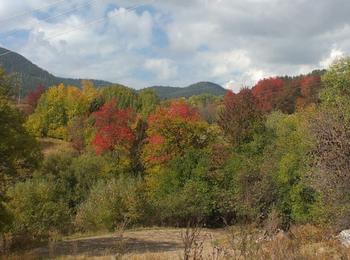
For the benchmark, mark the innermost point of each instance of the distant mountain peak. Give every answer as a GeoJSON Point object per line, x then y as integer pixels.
{"type": "Point", "coordinates": [31, 75]}
{"type": "Point", "coordinates": [202, 87]}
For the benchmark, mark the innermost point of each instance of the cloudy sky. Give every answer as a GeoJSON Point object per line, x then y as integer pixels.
{"type": "Point", "coordinates": [177, 42]}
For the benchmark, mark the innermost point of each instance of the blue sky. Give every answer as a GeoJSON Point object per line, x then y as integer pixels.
{"type": "Point", "coordinates": [177, 42]}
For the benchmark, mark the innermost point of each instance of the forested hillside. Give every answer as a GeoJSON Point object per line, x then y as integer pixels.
{"type": "Point", "coordinates": [29, 75]}
{"type": "Point", "coordinates": [165, 92]}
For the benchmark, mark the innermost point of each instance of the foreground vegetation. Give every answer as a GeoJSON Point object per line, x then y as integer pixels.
{"type": "Point", "coordinates": [273, 156]}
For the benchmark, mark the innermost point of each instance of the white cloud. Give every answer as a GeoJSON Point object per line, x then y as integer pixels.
{"type": "Point", "coordinates": [231, 42]}
{"type": "Point", "coordinates": [334, 55]}
{"type": "Point", "coordinates": [134, 31]}
{"type": "Point", "coordinates": [224, 63]}
{"type": "Point", "coordinates": [162, 68]}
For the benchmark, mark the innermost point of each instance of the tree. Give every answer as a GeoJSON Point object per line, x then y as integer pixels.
{"type": "Point", "coordinates": [50, 116]}
{"type": "Point", "coordinates": [267, 91]}
{"type": "Point", "coordinates": [19, 152]}
{"type": "Point", "coordinates": [113, 128]}
{"type": "Point", "coordinates": [240, 116]}
{"type": "Point", "coordinates": [33, 96]}
{"type": "Point", "coordinates": [287, 162]}
{"type": "Point", "coordinates": [331, 131]}
{"type": "Point", "coordinates": [73, 177]}
{"type": "Point", "coordinates": [148, 101]}
{"type": "Point", "coordinates": [126, 97]}
{"type": "Point", "coordinates": [207, 106]}
{"type": "Point", "coordinates": [173, 129]}
{"type": "Point", "coordinates": [287, 98]}
{"type": "Point", "coordinates": [182, 192]}
{"type": "Point", "coordinates": [309, 89]}
{"type": "Point", "coordinates": [6, 84]}
{"type": "Point", "coordinates": [336, 81]}
{"type": "Point", "coordinates": [56, 108]}
{"type": "Point", "coordinates": [36, 209]}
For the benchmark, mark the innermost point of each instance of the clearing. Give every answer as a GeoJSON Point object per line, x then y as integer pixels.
{"type": "Point", "coordinates": [134, 244]}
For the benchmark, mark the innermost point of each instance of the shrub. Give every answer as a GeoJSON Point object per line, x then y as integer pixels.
{"type": "Point", "coordinates": [36, 209]}
{"type": "Point", "coordinates": [181, 192]}
{"type": "Point", "coordinates": [109, 204]}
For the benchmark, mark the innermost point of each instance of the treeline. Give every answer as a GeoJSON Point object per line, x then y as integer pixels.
{"type": "Point", "coordinates": [275, 153]}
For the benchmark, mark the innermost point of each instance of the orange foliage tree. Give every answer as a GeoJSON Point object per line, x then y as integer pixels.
{"type": "Point", "coordinates": [172, 130]}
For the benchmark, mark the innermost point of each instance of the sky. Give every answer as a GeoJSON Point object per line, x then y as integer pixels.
{"type": "Point", "coordinates": [142, 43]}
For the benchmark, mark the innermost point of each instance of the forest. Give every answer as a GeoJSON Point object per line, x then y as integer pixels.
{"type": "Point", "coordinates": [274, 156]}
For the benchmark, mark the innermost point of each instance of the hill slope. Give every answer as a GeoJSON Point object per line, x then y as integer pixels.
{"type": "Point", "coordinates": [166, 92]}
{"type": "Point", "coordinates": [30, 75]}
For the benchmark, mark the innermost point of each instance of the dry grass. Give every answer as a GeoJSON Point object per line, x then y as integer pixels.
{"type": "Point", "coordinates": [303, 242]}
{"type": "Point", "coordinates": [51, 145]}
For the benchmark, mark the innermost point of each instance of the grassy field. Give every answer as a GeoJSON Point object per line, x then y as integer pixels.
{"type": "Point", "coordinates": [305, 242]}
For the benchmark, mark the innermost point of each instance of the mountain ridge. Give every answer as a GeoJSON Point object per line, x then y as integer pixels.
{"type": "Point", "coordinates": [169, 92]}
{"type": "Point", "coordinates": [31, 76]}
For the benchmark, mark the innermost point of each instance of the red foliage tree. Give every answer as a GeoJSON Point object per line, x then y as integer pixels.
{"type": "Point", "coordinates": [113, 128]}
{"type": "Point", "coordinates": [240, 116]}
{"type": "Point", "coordinates": [177, 109]}
{"type": "Point", "coordinates": [267, 92]}
{"type": "Point", "coordinates": [309, 87]}
{"type": "Point", "coordinates": [33, 96]}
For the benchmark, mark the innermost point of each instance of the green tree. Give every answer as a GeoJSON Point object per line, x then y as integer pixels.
{"type": "Point", "coordinates": [74, 176]}
{"type": "Point", "coordinates": [288, 162]}
{"type": "Point", "coordinates": [181, 191]}
{"type": "Point", "coordinates": [57, 107]}
{"type": "Point", "coordinates": [125, 97]}
{"type": "Point", "coordinates": [148, 101]}
{"type": "Point", "coordinates": [6, 84]}
{"type": "Point", "coordinates": [19, 151]}
{"type": "Point", "coordinates": [36, 209]}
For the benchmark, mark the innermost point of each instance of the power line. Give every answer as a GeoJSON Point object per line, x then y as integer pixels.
{"type": "Point", "coordinates": [31, 11]}
{"type": "Point", "coordinates": [92, 2]}
{"type": "Point", "coordinates": [92, 22]}
{"type": "Point", "coordinates": [129, 9]}
{"type": "Point", "coordinates": [3, 54]}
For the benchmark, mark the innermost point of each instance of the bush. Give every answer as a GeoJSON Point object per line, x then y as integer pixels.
{"type": "Point", "coordinates": [109, 204]}
{"type": "Point", "coordinates": [181, 192]}
{"type": "Point", "coordinates": [36, 209]}
{"type": "Point", "coordinates": [73, 177]}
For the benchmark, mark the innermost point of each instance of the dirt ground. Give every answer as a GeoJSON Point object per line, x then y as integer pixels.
{"type": "Point", "coordinates": [139, 244]}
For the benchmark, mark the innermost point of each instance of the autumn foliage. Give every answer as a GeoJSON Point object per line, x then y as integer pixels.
{"type": "Point", "coordinates": [113, 127]}
{"type": "Point", "coordinates": [267, 91]}
{"type": "Point", "coordinates": [173, 129]}
{"type": "Point", "coordinates": [33, 97]}
{"type": "Point", "coordinates": [309, 87]}
{"type": "Point", "coordinates": [239, 115]}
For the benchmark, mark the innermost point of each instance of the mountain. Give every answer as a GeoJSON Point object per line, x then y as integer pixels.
{"type": "Point", "coordinates": [167, 92]}
{"type": "Point", "coordinates": [30, 75]}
